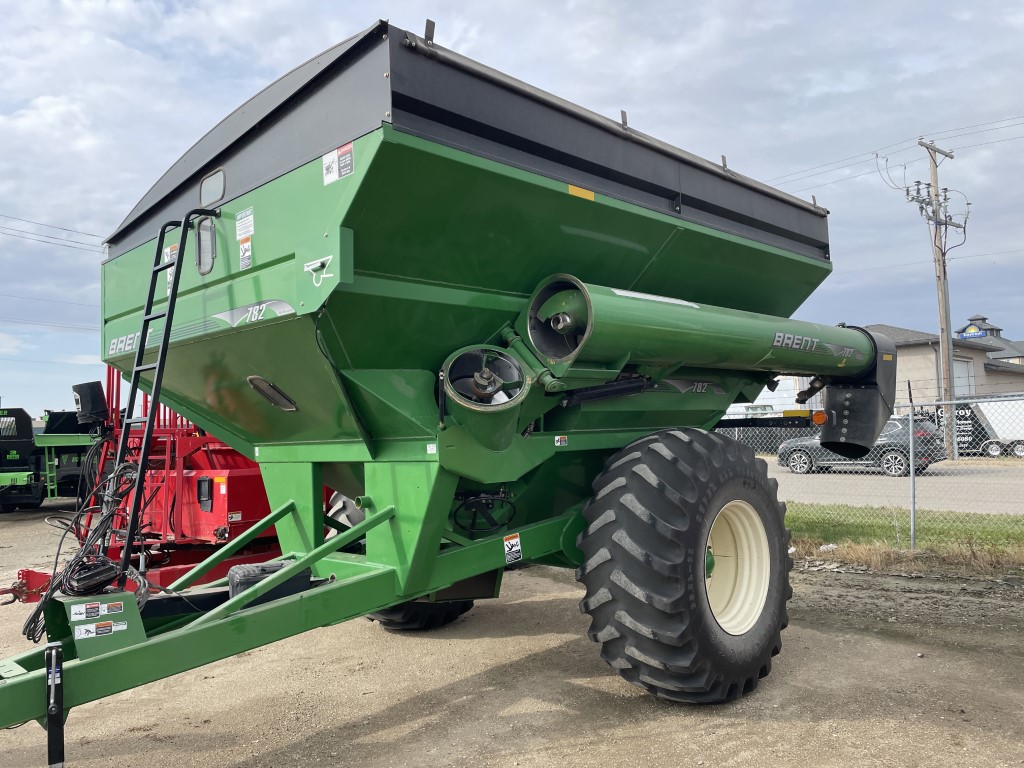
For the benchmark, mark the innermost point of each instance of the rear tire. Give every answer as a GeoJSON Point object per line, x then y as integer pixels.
{"type": "Point", "coordinates": [417, 616]}
{"type": "Point", "coordinates": [662, 622]}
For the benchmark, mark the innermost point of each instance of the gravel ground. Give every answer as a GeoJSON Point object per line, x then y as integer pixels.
{"type": "Point", "coordinates": [968, 485]}
{"type": "Point", "coordinates": [876, 671]}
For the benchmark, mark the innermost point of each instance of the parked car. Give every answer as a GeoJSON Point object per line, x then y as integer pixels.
{"type": "Point", "coordinates": [891, 453]}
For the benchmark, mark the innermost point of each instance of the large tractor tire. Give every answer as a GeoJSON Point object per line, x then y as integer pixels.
{"type": "Point", "coordinates": [686, 566]}
{"type": "Point", "coordinates": [416, 615]}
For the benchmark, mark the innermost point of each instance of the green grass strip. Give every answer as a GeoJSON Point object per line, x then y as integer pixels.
{"type": "Point", "coordinates": [870, 525]}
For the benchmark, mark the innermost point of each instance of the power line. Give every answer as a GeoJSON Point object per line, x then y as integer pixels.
{"type": "Point", "coordinates": [850, 178]}
{"type": "Point", "coordinates": [868, 173]}
{"type": "Point", "coordinates": [48, 362]}
{"type": "Point", "coordinates": [929, 261]}
{"type": "Point", "coordinates": [48, 242]}
{"type": "Point", "coordinates": [994, 141]}
{"type": "Point", "coordinates": [873, 157]}
{"type": "Point", "coordinates": [51, 226]}
{"type": "Point", "coordinates": [51, 301]}
{"type": "Point", "coordinates": [52, 237]}
{"type": "Point", "coordinates": [898, 143]}
{"type": "Point", "coordinates": [53, 325]}
{"type": "Point", "coordinates": [800, 176]}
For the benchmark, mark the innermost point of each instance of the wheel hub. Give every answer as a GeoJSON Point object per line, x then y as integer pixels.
{"type": "Point", "coordinates": [737, 566]}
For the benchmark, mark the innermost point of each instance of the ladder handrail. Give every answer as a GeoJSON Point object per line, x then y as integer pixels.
{"type": "Point", "coordinates": [153, 411]}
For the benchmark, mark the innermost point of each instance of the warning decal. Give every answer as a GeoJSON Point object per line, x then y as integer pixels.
{"type": "Point", "coordinates": [245, 253]}
{"type": "Point", "coordinates": [99, 629]}
{"type": "Point", "coordinates": [338, 163]}
{"type": "Point", "coordinates": [94, 610]}
{"type": "Point", "coordinates": [170, 254]}
{"type": "Point", "coordinates": [245, 224]}
{"type": "Point", "coordinates": [513, 549]}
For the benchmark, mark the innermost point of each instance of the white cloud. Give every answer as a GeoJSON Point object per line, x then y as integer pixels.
{"type": "Point", "coordinates": [81, 359]}
{"type": "Point", "coordinates": [12, 345]}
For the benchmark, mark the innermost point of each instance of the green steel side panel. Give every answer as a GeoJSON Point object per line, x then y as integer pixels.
{"type": "Point", "coordinates": [291, 222]}
{"type": "Point", "coordinates": [98, 624]}
{"type": "Point", "coordinates": [468, 221]}
{"type": "Point", "coordinates": [63, 441]}
{"type": "Point", "coordinates": [15, 479]}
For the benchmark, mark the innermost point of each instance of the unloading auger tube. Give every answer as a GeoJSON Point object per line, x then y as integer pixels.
{"type": "Point", "coordinates": [572, 328]}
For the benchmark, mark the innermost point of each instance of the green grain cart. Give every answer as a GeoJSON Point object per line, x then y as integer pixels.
{"type": "Point", "coordinates": [498, 323]}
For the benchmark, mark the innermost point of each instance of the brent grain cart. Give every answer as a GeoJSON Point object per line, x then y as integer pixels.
{"type": "Point", "coordinates": [497, 322]}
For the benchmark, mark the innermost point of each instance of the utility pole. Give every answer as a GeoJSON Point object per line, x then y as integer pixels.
{"type": "Point", "coordinates": [933, 205]}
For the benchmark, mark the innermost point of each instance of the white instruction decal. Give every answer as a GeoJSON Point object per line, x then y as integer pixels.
{"type": "Point", "coordinates": [234, 517]}
{"type": "Point", "coordinates": [513, 549]}
{"type": "Point", "coordinates": [99, 629]}
{"type": "Point", "coordinates": [338, 163]}
{"type": "Point", "coordinates": [561, 440]}
{"type": "Point", "coordinates": [245, 224]}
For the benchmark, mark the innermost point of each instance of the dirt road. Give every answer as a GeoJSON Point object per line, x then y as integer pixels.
{"type": "Point", "coordinates": [876, 671]}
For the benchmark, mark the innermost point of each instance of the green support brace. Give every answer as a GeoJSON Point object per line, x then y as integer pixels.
{"type": "Point", "coordinates": [422, 495]}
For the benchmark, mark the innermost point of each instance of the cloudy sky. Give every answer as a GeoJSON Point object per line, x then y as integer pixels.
{"type": "Point", "coordinates": [97, 99]}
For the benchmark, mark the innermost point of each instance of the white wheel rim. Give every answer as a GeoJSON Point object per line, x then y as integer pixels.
{"type": "Point", "coordinates": [737, 587]}
{"type": "Point", "coordinates": [893, 464]}
{"type": "Point", "coordinates": [799, 462]}
{"type": "Point", "coordinates": [1018, 450]}
{"type": "Point", "coordinates": [994, 450]}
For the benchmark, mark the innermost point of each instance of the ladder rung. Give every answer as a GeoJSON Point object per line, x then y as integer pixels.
{"type": "Point", "coordinates": [130, 422]}
{"type": "Point", "coordinates": [154, 316]}
{"type": "Point", "coordinates": [165, 265]}
{"type": "Point", "coordinates": [146, 367]}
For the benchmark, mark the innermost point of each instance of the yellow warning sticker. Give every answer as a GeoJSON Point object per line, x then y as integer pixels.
{"type": "Point", "coordinates": [586, 194]}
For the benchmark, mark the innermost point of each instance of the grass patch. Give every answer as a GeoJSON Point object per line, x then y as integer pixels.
{"type": "Point", "coordinates": [879, 537]}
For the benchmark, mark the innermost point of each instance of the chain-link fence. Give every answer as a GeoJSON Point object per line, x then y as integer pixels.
{"type": "Point", "coordinates": [941, 473]}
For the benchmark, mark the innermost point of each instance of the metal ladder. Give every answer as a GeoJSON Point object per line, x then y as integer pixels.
{"type": "Point", "coordinates": [148, 422]}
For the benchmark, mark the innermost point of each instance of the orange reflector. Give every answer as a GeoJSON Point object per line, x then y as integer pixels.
{"type": "Point", "coordinates": [818, 418]}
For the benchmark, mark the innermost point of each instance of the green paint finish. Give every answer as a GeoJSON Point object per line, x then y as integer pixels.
{"type": "Point", "coordinates": [422, 493]}
{"type": "Point", "coordinates": [56, 440]}
{"type": "Point", "coordinates": [97, 625]}
{"type": "Point", "coordinates": [8, 479]}
{"type": "Point", "coordinates": [570, 324]}
{"type": "Point", "coordinates": [301, 486]}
